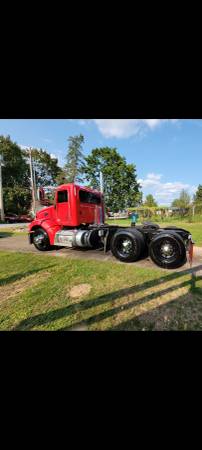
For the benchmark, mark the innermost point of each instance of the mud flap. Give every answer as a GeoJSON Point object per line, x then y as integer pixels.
{"type": "Point", "coordinates": [190, 250]}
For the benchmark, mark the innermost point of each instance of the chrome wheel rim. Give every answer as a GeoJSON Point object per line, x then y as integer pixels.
{"type": "Point", "coordinates": [40, 240]}
{"type": "Point", "coordinates": [167, 250]}
{"type": "Point", "coordinates": [125, 247]}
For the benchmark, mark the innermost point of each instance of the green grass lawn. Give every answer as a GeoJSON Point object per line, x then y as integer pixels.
{"type": "Point", "coordinates": [8, 232]}
{"type": "Point", "coordinates": [51, 293]}
{"type": "Point", "coordinates": [194, 228]}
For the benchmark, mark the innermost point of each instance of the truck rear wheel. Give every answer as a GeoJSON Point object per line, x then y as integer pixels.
{"type": "Point", "coordinates": [41, 240]}
{"type": "Point", "coordinates": [127, 245]}
{"type": "Point", "coordinates": [167, 250]}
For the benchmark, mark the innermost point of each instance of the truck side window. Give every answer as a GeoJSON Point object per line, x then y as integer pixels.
{"type": "Point", "coordinates": [89, 197]}
{"type": "Point", "coordinates": [62, 197]}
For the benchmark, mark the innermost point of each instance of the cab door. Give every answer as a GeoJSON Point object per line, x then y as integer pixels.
{"type": "Point", "coordinates": [62, 206]}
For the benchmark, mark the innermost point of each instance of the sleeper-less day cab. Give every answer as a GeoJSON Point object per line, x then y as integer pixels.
{"type": "Point", "coordinates": [77, 219]}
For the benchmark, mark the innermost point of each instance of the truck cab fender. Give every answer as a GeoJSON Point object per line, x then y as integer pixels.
{"type": "Point", "coordinates": [49, 226]}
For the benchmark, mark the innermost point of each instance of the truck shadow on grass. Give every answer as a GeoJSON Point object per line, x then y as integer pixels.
{"type": "Point", "coordinates": [184, 313]}
{"type": "Point", "coordinates": [5, 234]}
{"type": "Point", "coordinates": [84, 305]}
{"type": "Point", "coordinates": [20, 275]}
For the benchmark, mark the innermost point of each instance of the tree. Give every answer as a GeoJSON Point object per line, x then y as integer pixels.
{"type": "Point", "coordinates": [17, 200]}
{"type": "Point", "coordinates": [75, 161]}
{"type": "Point", "coordinates": [15, 177]}
{"type": "Point", "coordinates": [16, 174]}
{"type": "Point", "coordinates": [120, 184]}
{"type": "Point", "coordinates": [62, 177]}
{"type": "Point", "coordinates": [183, 201]}
{"type": "Point", "coordinates": [138, 199]}
{"type": "Point", "coordinates": [16, 169]}
{"type": "Point", "coordinates": [198, 195]}
{"type": "Point", "coordinates": [46, 168]}
{"type": "Point", "coordinates": [150, 201]}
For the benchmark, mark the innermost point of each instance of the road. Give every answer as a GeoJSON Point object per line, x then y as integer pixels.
{"type": "Point", "coordinates": [19, 243]}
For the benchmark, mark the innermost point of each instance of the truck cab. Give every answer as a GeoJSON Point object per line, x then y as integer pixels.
{"type": "Point", "coordinates": [74, 206]}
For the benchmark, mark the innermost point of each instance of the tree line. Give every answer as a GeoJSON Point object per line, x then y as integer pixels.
{"type": "Point", "coordinates": [16, 174]}
{"type": "Point", "coordinates": [122, 189]}
{"type": "Point", "coordinates": [184, 200]}
{"type": "Point", "coordinates": [120, 178]}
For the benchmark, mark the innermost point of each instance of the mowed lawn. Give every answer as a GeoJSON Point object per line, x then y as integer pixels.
{"type": "Point", "coordinates": [54, 293]}
{"type": "Point", "coordinates": [194, 228]}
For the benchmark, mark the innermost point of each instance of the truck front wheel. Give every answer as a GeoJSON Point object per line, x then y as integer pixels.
{"type": "Point", "coordinates": [41, 240]}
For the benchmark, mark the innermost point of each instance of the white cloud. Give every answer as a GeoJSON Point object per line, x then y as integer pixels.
{"type": "Point", "coordinates": [152, 180]}
{"type": "Point", "coordinates": [164, 192]}
{"type": "Point", "coordinates": [124, 128]}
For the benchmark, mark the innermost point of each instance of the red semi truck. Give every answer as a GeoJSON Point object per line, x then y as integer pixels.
{"type": "Point", "coordinates": [77, 220]}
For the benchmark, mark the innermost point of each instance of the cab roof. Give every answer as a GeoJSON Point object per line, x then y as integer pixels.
{"type": "Point", "coordinates": [62, 187]}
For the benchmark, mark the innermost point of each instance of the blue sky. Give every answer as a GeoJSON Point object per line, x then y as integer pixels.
{"type": "Point", "coordinates": [167, 153]}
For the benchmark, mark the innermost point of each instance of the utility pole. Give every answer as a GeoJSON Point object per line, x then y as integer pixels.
{"type": "Point", "coordinates": [1, 191]}
{"type": "Point", "coordinates": [32, 182]}
{"type": "Point", "coordinates": [34, 179]}
{"type": "Point", "coordinates": [101, 183]}
{"type": "Point", "coordinates": [102, 192]}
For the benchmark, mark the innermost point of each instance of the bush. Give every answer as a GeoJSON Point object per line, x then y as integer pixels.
{"type": "Point", "coordinates": [17, 200]}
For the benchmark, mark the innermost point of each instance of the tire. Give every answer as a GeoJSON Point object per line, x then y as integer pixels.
{"type": "Point", "coordinates": [141, 238]}
{"type": "Point", "coordinates": [167, 250]}
{"type": "Point", "coordinates": [127, 245]}
{"type": "Point", "coordinates": [41, 240]}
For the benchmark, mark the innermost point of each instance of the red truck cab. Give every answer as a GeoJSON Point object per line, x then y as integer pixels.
{"type": "Point", "coordinates": [76, 205]}
{"type": "Point", "coordinates": [73, 207]}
